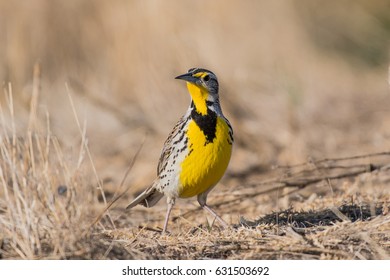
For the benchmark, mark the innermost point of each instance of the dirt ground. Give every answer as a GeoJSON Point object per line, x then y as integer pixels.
{"type": "Point", "coordinates": [87, 104]}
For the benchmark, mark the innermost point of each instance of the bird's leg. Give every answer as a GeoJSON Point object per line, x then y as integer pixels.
{"type": "Point", "coordinates": [171, 202]}
{"type": "Point", "coordinates": [211, 211]}
{"type": "Point", "coordinates": [202, 198]}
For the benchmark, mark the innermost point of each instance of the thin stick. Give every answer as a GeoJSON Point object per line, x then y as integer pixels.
{"type": "Point", "coordinates": [115, 199]}
{"type": "Point", "coordinates": [100, 185]}
{"type": "Point", "coordinates": [335, 159]}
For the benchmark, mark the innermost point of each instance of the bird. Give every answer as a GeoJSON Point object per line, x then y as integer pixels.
{"type": "Point", "coordinates": [197, 152]}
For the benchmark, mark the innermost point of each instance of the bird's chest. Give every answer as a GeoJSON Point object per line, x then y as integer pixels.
{"type": "Point", "coordinates": [209, 151]}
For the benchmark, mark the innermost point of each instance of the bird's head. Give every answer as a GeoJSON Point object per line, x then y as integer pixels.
{"type": "Point", "coordinates": [203, 87]}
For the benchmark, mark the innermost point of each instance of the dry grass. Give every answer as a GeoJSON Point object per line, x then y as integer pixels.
{"type": "Point", "coordinates": [301, 81]}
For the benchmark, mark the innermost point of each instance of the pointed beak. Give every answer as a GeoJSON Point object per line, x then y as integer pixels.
{"type": "Point", "coordinates": [188, 78]}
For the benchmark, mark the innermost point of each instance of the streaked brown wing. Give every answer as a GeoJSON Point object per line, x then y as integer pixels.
{"type": "Point", "coordinates": [169, 145]}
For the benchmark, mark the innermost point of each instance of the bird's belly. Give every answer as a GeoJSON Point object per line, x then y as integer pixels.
{"type": "Point", "coordinates": [206, 162]}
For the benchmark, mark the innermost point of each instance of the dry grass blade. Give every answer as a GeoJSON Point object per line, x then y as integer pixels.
{"type": "Point", "coordinates": [340, 215]}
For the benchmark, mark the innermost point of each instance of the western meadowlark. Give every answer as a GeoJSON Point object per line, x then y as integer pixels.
{"type": "Point", "coordinates": [197, 151]}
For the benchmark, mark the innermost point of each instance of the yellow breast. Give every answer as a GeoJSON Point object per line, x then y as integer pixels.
{"type": "Point", "coordinates": [206, 162]}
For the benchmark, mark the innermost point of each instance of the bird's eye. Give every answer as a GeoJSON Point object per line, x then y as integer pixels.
{"type": "Point", "coordinates": [206, 78]}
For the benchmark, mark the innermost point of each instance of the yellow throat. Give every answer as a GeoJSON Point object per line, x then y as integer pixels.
{"type": "Point", "coordinates": [199, 96]}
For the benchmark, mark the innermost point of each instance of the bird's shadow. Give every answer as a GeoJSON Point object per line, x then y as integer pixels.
{"type": "Point", "coordinates": [311, 218]}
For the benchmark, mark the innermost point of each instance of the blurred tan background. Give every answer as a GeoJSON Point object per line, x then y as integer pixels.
{"type": "Point", "coordinates": [298, 79]}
